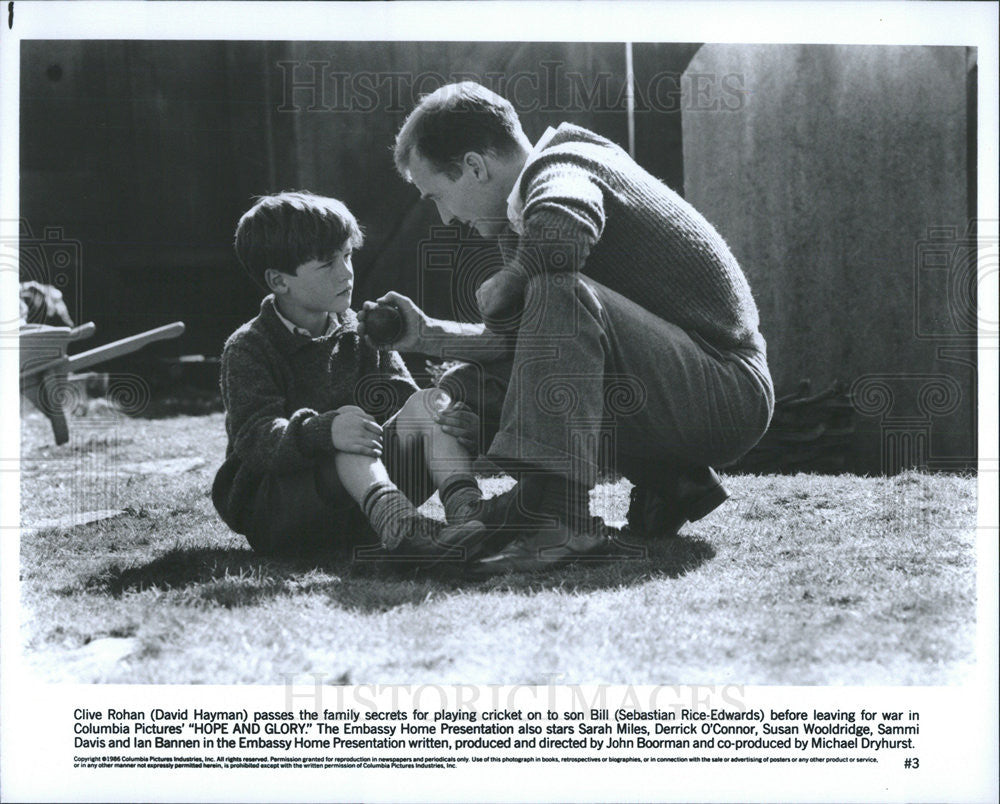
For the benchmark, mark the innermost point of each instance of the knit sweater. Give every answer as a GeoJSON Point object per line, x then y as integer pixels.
{"type": "Point", "coordinates": [588, 207]}
{"type": "Point", "coordinates": [281, 391]}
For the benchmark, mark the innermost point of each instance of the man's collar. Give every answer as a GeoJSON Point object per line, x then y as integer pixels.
{"type": "Point", "coordinates": [515, 204]}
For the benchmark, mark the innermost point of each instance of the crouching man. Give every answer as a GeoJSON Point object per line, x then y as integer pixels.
{"type": "Point", "coordinates": [624, 325]}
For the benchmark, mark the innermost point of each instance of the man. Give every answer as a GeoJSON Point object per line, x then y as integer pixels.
{"type": "Point", "coordinates": [631, 330]}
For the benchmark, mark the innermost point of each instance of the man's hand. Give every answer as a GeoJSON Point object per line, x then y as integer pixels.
{"type": "Point", "coordinates": [460, 421]}
{"type": "Point", "coordinates": [500, 297]}
{"type": "Point", "coordinates": [415, 322]}
{"type": "Point", "coordinates": [355, 431]}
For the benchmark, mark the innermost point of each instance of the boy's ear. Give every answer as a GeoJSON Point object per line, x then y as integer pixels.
{"type": "Point", "coordinates": [275, 281]}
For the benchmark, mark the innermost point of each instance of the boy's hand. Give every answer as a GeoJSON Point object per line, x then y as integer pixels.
{"type": "Point", "coordinates": [499, 296]}
{"type": "Point", "coordinates": [460, 421]}
{"type": "Point", "coordinates": [414, 322]}
{"type": "Point", "coordinates": [355, 431]}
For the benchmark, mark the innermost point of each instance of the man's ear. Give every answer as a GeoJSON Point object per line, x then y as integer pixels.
{"type": "Point", "coordinates": [475, 163]}
{"type": "Point", "coordinates": [275, 281]}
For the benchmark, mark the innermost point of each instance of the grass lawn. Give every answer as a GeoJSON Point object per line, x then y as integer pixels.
{"type": "Point", "coordinates": [802, 579]}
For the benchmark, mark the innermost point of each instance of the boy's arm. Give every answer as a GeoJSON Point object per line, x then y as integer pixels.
{"type": "Point", "coordinates": [260, 433]}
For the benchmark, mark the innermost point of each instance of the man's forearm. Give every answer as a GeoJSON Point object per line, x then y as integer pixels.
{"type": "Point", "coordinates": [453, 340]}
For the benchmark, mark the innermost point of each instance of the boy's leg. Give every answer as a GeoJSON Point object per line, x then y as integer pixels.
{"type": "Point", "coordinates": [482, 386]}
{"type": "Point", "coordinates": [401, 529]}
{"type": "Point", "coordinates": [366, 481]}
{"type": "Point", "coordinates": [417, 450]}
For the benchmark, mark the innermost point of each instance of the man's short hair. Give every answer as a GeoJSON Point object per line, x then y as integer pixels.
{"type": "Point", "coordinates": [453, 120]}
{"type": "Point", "coordinates": [285, 230]}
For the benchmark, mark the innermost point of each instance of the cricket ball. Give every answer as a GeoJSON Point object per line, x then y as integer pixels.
{"type": "Point", "coordinates": [383, 324]}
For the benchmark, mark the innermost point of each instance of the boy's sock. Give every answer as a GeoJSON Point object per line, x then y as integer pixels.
{"type": "Point", "coordinates": [391, 514]}
{"type": "Point", "coordinates": [402, 528]}
{"type": "Point", "coordinates": [460, 496]}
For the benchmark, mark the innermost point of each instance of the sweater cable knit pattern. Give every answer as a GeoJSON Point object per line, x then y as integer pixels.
{"type": "Point", "coordinates": [589, 207]}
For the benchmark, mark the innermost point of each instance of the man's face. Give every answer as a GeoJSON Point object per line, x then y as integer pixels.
{"type": "Point", "coordinates": [323, 285]}
{"type": "Point", "coordinates": [474, 198]}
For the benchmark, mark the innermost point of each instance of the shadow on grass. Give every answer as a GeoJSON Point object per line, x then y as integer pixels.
{"type": "Point", "coordinates": [234, 578]}
{"type": "Point", "coordinates": [634, 564]}
{"type": "Point", "coordinates": [230, 577]}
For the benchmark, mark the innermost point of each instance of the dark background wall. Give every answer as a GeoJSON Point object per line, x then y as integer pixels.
{"type": "Point", "coordinates": [147, 153]}
{"type": "Point", "coordinates": [138, 157]}
{"type": "Point", "coordinates": [841, 183]}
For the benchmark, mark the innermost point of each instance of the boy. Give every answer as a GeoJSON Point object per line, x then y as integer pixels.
{"type": "Point", "coordinates": [311, 408]}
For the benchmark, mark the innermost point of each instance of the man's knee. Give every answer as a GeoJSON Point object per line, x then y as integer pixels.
{"type": "Point", "coordinates": [475, 385]}
{"type": "Point", "coordinates": [482, 387]}
{"type": "Point", "coordinates": [464, 382]}
{"type": "Point", "coordinates": [559, 304]}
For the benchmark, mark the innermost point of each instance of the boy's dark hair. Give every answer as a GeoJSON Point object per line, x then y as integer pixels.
{"type": "Point", "coordinates": [453, 120]}
{"type": "Point", "coordinates": [284, 230]}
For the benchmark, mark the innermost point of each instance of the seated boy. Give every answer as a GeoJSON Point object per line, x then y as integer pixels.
{"type": "Point", "coordinates": [311, 407]}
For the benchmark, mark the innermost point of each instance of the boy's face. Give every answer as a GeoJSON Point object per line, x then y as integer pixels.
{"type": "Point", "coordinates": [322, 285]}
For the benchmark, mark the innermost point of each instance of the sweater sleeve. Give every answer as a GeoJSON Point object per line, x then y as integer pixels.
{"type": "Point", "coordinates": [563, 216]}
{"type": "Point", "coordinates": [260, 433]}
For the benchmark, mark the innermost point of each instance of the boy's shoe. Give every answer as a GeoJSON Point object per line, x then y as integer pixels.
{"type": "Point", "coordinates": [504, 517]}
{"type": "Point", "coordinates": [430, 542]}
{"type": "Point", "coordinates": [661, 510]}
{"type": "Point", "coordinates": [545, 549]}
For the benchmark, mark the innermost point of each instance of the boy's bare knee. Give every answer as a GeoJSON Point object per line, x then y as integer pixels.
{"type": "Point", "coordinates": [419, 407]}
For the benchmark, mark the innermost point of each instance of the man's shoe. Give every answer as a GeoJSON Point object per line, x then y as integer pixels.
{"type": "Point", "coordinates": [544, 550]}
{"type": "Point", "coordinates": [699, 492]}
{"type": "Point", "coordinates": [655, 511]}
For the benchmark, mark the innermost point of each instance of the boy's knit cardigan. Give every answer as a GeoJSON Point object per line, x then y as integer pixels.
{"type": "Point", "coordinates": [281, 391]}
